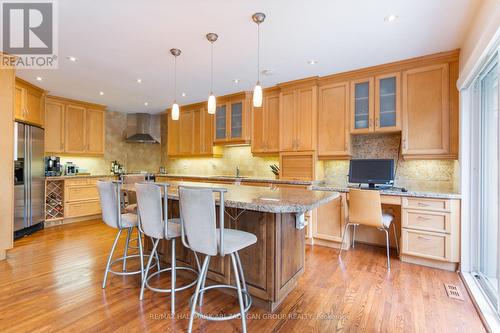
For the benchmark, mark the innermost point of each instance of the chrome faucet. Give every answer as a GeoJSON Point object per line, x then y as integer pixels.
{"type": "Point", "coordinates": [237, 172]}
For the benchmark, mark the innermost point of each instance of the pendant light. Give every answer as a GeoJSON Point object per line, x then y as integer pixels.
{"type": "Point", "coordinates": [175, 106]}
{"type": "Point", "coordinates": [257, 91]}
{"type": "Point", "coordinates": [212, 103]}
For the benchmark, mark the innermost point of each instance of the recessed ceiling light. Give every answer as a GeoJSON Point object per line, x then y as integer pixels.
{"type": "Point", "coordinates": [72, 59]}
{"type": "Point", "coordinates": [267, 72]}
{"type": "Point", "coordinates": [312, 62]}
{"type": "Point", "coordinates": [236, 80]}
{"type": "Point", "coordinates": [183, 94]}
{"type": "Point", "coordinates": [146, 103]}
{"type": "Point", "coordinates": [101, 93]}
{"type": "Point", "coordinates": [391, 18]}
{"type": "Point", "coordinates": [39, 78]}
{"type": "Point", "coordinates": [139, 80]}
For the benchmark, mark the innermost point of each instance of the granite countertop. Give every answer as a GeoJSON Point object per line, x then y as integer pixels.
{"type": "Point", "coordinates": [240, 179]}
{"type": "Point", "coordinates": [260, 198]}
{"type": "Point", "coordinates": [423, 190]}
{"type": "Point", "coordinates": [77, 176]}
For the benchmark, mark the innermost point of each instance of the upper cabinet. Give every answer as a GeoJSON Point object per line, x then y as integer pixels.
{"type": "Point", "coordinates": [297, 116]}
{"type": "Point", "coordinates": [74, 127]}
{"type": "Point", "coordinates": [426, 112]}
{"type": "Point", "coordinates": [233, 119]}
{"type": "Point", "coordinates": [265, 124]}
{"type": "Point", "coordinates": [193, 134]}
{"type": "Point", "coordinates": [334, 139]}
{"type": "Point", "coordinates": [375, 104]}
{"type": "Point", "coordinates": [29, 103]}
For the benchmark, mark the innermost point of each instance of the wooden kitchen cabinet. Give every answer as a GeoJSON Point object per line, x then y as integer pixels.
{"type": "Point", "coordinates": [298, 165]}
{"type": "Point", "coordinates": [95, 131]}
{"type": "Point", "coordinates": [329, 220]}
{"type": "Point", "coordinates": [29, 103]}
{"type": "Point", "coordinates": [375, 104]}
{"type": "Point", "coordinates": [54, 126]}
{"type": "Point", "coordinates": [193, 134]}
{"type": "Point", "coordinates": [75, 120]}
{"type": "Point", "coordinates": [334, 139]}
{"type": "Point", "coordinates": [297, 116]}
{"type": "Point", "coordinates": [74, 127]}
{"type": "Point", "coordinates": [265, 124]}
{"type": "Point", "coordinates": [233, 119]}
{"type": "Point", "coordinates": [426, 112]}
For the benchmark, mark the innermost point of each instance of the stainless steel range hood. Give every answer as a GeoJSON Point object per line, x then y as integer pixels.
{"type": "Point", "coordinates": [143, 128]}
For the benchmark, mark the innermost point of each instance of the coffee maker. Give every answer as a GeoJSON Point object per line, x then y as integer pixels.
{"type": "Point", "coordinates": [52, 166]}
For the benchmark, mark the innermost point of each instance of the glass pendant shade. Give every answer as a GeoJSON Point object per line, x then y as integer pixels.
{"type": "Point", "coordinates": [175, 111]}
{"type": "Point", "coordinates": [257, 95]}
{"type": "Point", "coordinates": [211, 104]}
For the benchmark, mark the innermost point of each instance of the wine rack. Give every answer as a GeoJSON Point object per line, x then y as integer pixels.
{"type": "Point", "coordinates": [54, 200]}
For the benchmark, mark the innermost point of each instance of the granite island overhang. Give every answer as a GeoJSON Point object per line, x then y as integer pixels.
{"type": "Point", "coordinates": [275, 215]}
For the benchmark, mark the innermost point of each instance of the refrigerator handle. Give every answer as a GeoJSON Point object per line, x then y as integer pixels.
{"type": "Point", "coordinates": [28, 168]}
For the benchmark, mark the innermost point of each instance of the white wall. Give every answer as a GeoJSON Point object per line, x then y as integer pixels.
{"type": "Point", "coordinates": [485, 24]}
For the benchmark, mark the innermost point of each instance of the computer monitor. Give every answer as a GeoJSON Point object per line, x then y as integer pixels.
{"type": "Point", "coordinates": [371, 172]}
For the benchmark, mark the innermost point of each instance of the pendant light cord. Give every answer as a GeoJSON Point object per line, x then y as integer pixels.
{"type": "Point", "coordinates": [258, 52]}
{"type": "Point", "coordinates": [175, 79]}
{"type": "Point", "coordinates": [212, 68]}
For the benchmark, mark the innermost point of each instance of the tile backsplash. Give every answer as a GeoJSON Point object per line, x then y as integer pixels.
{"type": "Point", "coordinates": [444, 172]}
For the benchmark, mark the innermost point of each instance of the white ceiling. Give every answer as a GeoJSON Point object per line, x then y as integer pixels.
{"type": "Point", "coordinates": [118, 41]}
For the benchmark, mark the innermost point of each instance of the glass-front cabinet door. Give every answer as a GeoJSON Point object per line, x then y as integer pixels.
{"type": "Point", "coordinates": [236, 120]}
{"type": "Point", "coordinates": [362, 106]}
{"type": "Point", "coordinates": [220, 122]}
{"type": "Point", "coordinates": [387, 102]}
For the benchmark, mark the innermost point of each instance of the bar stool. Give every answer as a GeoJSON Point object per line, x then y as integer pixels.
{"type": "Point", "coordinates": [154, 222]}
{"type": "Point", "coordinates": [109, 196]}
{"type": "Point", "coordinates": [200, 233]}
{"type": "Point", "coordinates": [365, 208]}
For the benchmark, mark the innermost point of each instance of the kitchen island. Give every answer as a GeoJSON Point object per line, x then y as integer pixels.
{"type": "Point", "coordinates": [274, 264]}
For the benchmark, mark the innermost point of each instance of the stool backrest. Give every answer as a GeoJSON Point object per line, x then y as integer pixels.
{"type": "Point", "coordinates": [198, 219]}
{"type": "Point", "coordinates": [365, 207]}
{"type": "Point", "coordinates": [132, 179]}
{"type": "Point", "coordinates": [152, 210]}
{"type": "Point", "coordinates": [109, 197]}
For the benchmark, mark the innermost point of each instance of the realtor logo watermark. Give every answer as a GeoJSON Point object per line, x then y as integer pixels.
{"type": "Point", "coordinates": [29, 32]}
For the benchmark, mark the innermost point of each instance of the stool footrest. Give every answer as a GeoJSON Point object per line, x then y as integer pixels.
{"type": "Point", "coordinates": [245, 294]}
{"type": "Point", "coordinates": [123, 258]}
{"type": "Point", "coordinates": [161, 290]}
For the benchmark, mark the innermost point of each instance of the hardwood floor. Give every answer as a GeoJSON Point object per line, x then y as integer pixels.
{"type": "Point", "coordinates": [51, 282]}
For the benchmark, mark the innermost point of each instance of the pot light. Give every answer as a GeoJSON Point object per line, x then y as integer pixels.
{"type": "Point", "coordinates": [391, 18]}
{"type": "Point", "coordinates": [139, 81]}
{"type": "Point", "coordinates": [312, 62]}
{"type": "Point", "coordinates": [183, 95]}
{"type": "Point", "coordinates": [39, 78]}
{"type": "Point", "coordinates": [72, 59]}
{"type": "Point", "coordinates": [236, 81]}
{"type": "Point", "coordinates": [101, 93]}
{"type": "Point", "coordinates": [146, 103]}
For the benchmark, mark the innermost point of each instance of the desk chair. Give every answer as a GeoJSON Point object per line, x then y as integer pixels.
{"type": "Point", "coordinates": [365, 208]}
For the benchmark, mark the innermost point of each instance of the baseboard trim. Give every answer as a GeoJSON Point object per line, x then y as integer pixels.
{"type": "Point", "coordinates": [50, 224]}
{"type": "Point", "coordinates": [448, 266]}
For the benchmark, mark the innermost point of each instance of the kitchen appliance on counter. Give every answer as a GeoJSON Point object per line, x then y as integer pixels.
{"type": "Point", "coordinates": [53, 166]}
{"type": "Point", "coordinates": [29, 180]}
{"type": "Point", "coordinates": [70, 169]}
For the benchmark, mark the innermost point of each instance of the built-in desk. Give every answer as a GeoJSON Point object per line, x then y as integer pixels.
{"type": "Point", "coordinates": [428, 225]}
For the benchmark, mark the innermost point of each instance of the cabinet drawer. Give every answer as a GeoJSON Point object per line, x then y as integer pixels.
{"type": "Point", "coordinates": [426, 220]}
{"type": "Point", "coordinates": [427, 204]}
{"type": "Point", "coordinates": [76, 182]}
{"type": "Point", "coordinates": [93, 181]}
{"type": "Point", "coordinates": [427, 244]}
{"type": "Point", "coordinates": [76, 209]}
{"type": "Point", "coordinates": [82, 193]}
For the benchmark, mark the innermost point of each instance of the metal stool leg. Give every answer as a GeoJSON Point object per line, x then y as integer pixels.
{"type": "Point", "coordinates": [124, 265]}
{"type": "Point", "coordinates": [172, 276]}
{"type": "Point", "coordinates": [354, 235]}
{"type": "Point", "coordinates": [155, 244]}
{"type": "Point", "coordinates": [343, 236]}
{"type": "Point", "coordinates": [141, 253]}
{"type": "Point", "coordinates": [396, 237]}
{"type": "Point", "coordinates": [156, 256]}
{"type": "Point", "coordinates": [240, 295]}
{"type": "Point", "coordinates": [387, 245]}
{"type": "Point", "coordinates": [195, 298]}
{"type": "Point", "coordinates": [242, 276]}
{"type": "Point", "coordinates": [204, 279]}
{"type": "Point", "coordinates": [110, 257]}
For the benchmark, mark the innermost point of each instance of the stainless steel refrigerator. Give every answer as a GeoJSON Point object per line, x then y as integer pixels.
{"type": "Point", "coordinates": [29, 179]}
